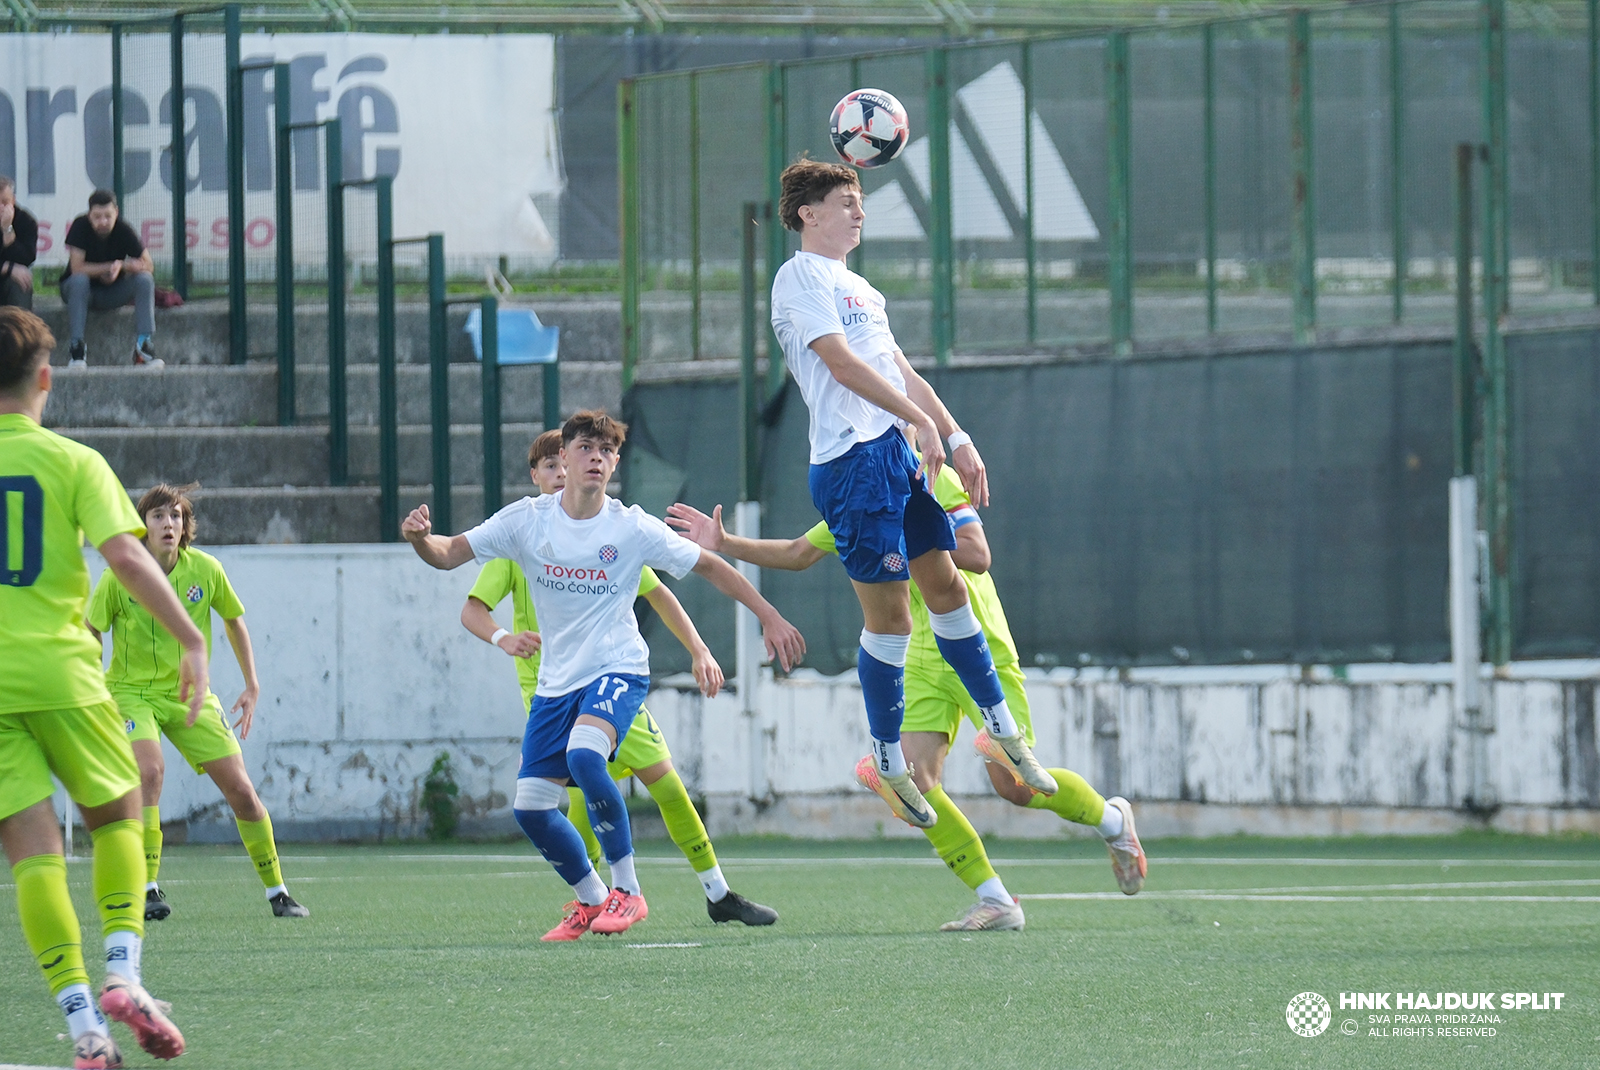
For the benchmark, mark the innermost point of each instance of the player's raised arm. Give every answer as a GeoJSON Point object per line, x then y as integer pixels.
{"type": "Point", "coordinates": [707, 673]}
{"type": "Point", "coordinates": [783, 640]}
{"type": "Point", "coordinates": [963, 454]}
{"type": "Point", "coordinates": [126, 556]}
{"type": "Point", "coordinates": [790, 555]}
{"type": "Point", "coordinates": [437, 550]}
{"type": "Point", "coordinates": [865, 381]}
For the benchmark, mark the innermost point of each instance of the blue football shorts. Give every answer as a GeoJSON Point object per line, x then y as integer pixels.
{"type": "Point", "coordinates": [879, 510]}
{"type": "Point", "coordinates": [614, 698]}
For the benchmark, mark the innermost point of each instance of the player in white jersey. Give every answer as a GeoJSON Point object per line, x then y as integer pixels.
{"type": "Point", "coordinates": [583, 552]}
{"type": "Point", "coordinates": [867, 483]}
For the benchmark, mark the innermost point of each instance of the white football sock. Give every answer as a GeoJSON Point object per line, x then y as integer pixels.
{"type": "Point", "coordinates": [622, 875]}
{"type": "Point", "coordinates": [711, 880]}
{"type": "Point", "coordinates": [82, 1015]}
{"type": "Point", "coordinates": [277, 889]}
{"type": "Point", "coordinates": [994, 891]}
{"type": "Point", "coordinates": [591, 890]}
{"type": "Point", "coordinates": [151, 886]}
{"type": "Point", "coordinates": [123, 952]}
{"type": "Point", "coordinates": [1110, 826]}
{"type": "Point", "coordinates": [998, 720]}
{"type": "Point", "coordinates": [890, 758]}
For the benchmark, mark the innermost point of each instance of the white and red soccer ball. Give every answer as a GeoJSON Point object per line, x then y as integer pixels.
{"type": "Point", "coordinates": [869, 127]}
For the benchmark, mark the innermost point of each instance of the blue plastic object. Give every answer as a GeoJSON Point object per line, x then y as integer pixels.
{"type": "Point", "coordinates": [523, 339]}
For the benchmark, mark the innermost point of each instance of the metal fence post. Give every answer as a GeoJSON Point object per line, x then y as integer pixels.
{"type": "Point", "coordinates": [1397, 159]}
{"type": "Point", "coordinates": [238, 326]}
{"type": "Point", "coordinates": [551, 394]}
{"type": "Point", "coordinates": [119, 183]}
{"type": "Point", "coordinates": [1030, 245]}
{"type": "Point", "coordinates": [489, 382]}
{"type": "Point", "coordinates": [1464, 353]}
{"type": "Point", "coordinates": [1303, 240]}
{"type": "Point", "coordinates": [283, 179]}
{"type": "Point", "coordinates": [936, 68]}
{"type": "Point", "coordinates": [1209, 136]}
{"type": "Point", "coordinates": [749, 406]}
{"type": "Point", "coordinates": [388, 412]}
{"type": "Point", "coordinates": [439, 385]}
{"type": "Point", "coordinates": [1119, 239]}
{"type": "Point", "coordinates": [1496, 430]}
{"type": "Point", "coordinates": [777, 243]}
{"type": "Point", "coordinates": [338, 403]}
{"type": "Point", "coordinates": [694, 215]}
{"type": "Point", "coordinates": [631, 262]}
{"type": "Point", "coordinates": [180, 166]}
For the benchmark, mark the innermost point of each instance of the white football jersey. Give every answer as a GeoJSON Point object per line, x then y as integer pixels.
{"type": "Point", "coordinates": [813, 296]}
{"type": "Point", "coordinates": [584, 576]}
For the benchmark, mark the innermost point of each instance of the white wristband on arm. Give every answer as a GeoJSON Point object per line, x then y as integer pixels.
{"type": "Point", "coordinates": [959, 439]}
{"type": "Point", "coordinates": [499, 634]}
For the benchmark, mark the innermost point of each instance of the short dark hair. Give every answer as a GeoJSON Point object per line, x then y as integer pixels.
{"type": "Point", "coordinates": [595, 424]}
{"type": "Point", "coordinates": [102, 196]}
{"type": "Point", "coordinates": [808, 181]}
{"type": "Point", "coordinates": [7, 182]}
{"type": "Point", "coordinates": [546, 445]}
{"type": "Point", "coordinates": [164, 494]}
{"type": "Point", "coordinates": [25, 343]}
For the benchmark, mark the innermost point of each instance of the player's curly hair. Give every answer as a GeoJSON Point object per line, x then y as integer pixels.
{"type": "Point", "coordinates": [165, 494]}
{"type": "Point", "coordinates": [546, 445]}
{"type": "Point", "coordinates": [808, 181]}
{"type": "Point", "coordinates": [595, 424]}
{"type": "Point", "coordinates": [25, 342]}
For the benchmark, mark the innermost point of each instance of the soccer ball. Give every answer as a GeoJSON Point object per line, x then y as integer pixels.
{"type": "Point", "coordinates": [869, 127]}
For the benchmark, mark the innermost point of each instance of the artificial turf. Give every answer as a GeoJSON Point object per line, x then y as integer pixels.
{"type": "Point", "coordinates": [429, 957]}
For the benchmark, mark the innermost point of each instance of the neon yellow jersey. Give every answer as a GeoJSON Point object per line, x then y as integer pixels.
{"type": "Point", "coordinates": [503, 576]}
{"type": "Point", "coordinates": [53, 493]}
{"type": "Point", "coordinates": [948, 492]}
{"type": "Point", "coordinates": [144, 655]}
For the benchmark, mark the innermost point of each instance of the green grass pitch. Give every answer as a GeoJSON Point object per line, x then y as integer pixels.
{"type": "Point", "coordinates": [429, 957]}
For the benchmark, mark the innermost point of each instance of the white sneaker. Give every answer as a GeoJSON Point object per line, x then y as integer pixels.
{"type": "Point", "coordinates": [900, 792]}
{"type": "Point", "coordinates": [1127, 856]}
{"type": "Point", "coordinates": [1013, 754]}
{"type": "Point", "coordinates": [987, 915]}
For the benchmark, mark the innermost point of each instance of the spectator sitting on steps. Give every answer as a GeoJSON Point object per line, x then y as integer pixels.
{"type": "Point", "coordinates": [19, 245]}
{"type": "Point", "coordinates": [108, 268]}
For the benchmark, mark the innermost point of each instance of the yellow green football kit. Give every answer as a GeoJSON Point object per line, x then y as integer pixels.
{"type": "Point", "coordinates": [936, 700]}
{"type": "Point", "coordinates": [644, 745]}
{"type": "Point", "coordinates": [55, 713]}
{"type": "Point", "coordinates": [143, 674]}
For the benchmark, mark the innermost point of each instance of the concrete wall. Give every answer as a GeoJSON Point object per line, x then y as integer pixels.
{"type": "Point", "coordinates": [367, 675]}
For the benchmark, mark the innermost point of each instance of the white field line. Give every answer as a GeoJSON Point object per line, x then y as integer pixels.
{"type": "Point", "coordinates": [854, 860]}
{"type": "Point", "coordinates": [19, 1066]}
{"type": "Point", "coordinates": [1435, 886]}
{"type": "Point", "coordinates": [643, 947]}
{"type": "Point", "coordinates": [1253, 897]}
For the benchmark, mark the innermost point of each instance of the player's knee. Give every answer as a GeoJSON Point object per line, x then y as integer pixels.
{"type": "Point", "coordinates": [587, 739]}
{"type": "Point", "coordinates": [537, 793]}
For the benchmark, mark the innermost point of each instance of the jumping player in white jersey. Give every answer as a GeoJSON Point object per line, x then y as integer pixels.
{"type": "Point", "coordinates": [867, 484]}
{"type": "Point", "coordinates": [583, 552]}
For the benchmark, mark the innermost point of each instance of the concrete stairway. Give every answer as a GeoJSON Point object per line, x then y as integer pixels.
{"type": "Point", "coordinates": [201, 419]}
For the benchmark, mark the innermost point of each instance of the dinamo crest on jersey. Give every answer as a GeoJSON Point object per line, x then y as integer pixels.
{"type": "Point", "coordinates": [195, 593]}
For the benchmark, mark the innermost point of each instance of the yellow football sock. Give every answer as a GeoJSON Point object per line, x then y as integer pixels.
{"type": "Point", "coordinates": [956, 841]}
{"type": "Point", "coordinates": [152, 842]}
{"type": "Point", "coordinates": [683, 821]}
{"type": "Point", "coordinates": [578, 814]}
{"type": "Point", "coordinates": [119, 876]}
{"type": "Point", "coordinates": [1074, 799]}
{"type": "Point", "coordinates": [48, 921]}
{"type": "Point", "coordinates": [263, 850]}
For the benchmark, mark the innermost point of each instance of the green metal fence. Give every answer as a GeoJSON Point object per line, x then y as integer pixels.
{"type": "Point", "coordinates": [1285, 175]}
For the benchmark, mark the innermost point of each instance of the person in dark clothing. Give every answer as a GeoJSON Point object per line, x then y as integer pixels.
{"type": "Point", "coordinates": [108, 268]}
{"type": "Point", "coordinates": [19, 245]}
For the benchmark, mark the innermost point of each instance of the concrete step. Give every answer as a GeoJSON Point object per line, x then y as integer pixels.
{"type": "Point", "coordinates": [231, 515]}
{"type": "Point", "coordinates": [291, 456]}
{"type": "Point", "coordinates": [247, 395]}
{"type": "Point", "coordinates": [197, 333]}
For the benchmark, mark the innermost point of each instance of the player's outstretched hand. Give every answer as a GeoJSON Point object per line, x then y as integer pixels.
{"type": "Point", "coordinates": [931, 446]}
{"type": "Point", "coordinates": [707, 673]}
{"type": "Point", "coordinates": [704, 531]}
{"type": "Point", "coordinates": [194, 680]}
{"type": "Point", "coordinates": [974, 476]}
{"type": "Point", "coordinates": [783, 641]}
{"type": "Point", "coordinates": [417, 526]}
{"type": "Point", "coordinates": [520, 645]}
{"type": "Point", "coordinates": [245, 707]}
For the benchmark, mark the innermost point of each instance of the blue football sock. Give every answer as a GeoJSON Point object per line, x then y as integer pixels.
{"type": "Point", "coordinates": [558, 841]}
{"type": "Point", "coordinates": [883, 688]}
{"type": "Point", "coordinates": [608, 814]}
{"type": "Point", "coordinates": [141, 340]}
{"type": "Point", "coordinates": [971, 660]}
